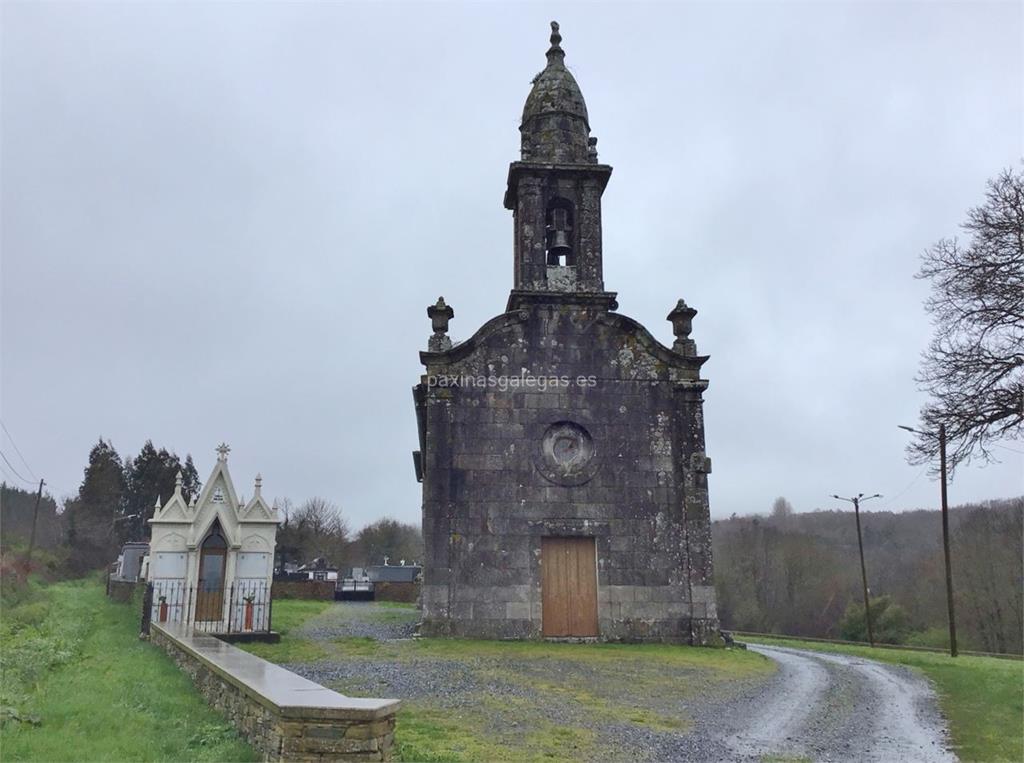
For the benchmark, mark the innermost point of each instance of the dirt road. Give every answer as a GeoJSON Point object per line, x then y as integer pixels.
{"type": "Point", "coordinates": [838, 707]}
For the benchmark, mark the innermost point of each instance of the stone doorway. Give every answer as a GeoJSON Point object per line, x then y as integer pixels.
{"type": "Point", "coordinates": [569, 587]}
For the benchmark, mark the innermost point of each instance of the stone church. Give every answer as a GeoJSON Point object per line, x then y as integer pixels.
{"type": "Point", "coordinates": [561, 447]}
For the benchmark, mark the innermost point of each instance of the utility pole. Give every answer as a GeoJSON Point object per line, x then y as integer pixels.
{"type": "Point", "coordinates": [945, 543]}
{"type": "Point", "coordinates": [857, 500]}
{"type": "Point", "coordinates": [32, 535]}
{"type": "Point", "coordinates": [945, 535]}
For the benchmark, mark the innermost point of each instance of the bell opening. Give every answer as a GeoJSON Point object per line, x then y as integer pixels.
{"type": "Point", "coordinates": [559, 233]}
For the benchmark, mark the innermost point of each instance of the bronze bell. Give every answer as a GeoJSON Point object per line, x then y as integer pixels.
{"type": "Point", "coordinates": [559, 243]}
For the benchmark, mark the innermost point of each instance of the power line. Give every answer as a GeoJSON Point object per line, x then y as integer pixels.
{"type": "Point", "coordinates": [1012, 450]}
{"type": "Point", "coordinates": [17, 449]}
{"type": "Point", "coordinates": [907, 488]}
{"type": "Point", "coordinates": [11, 467]}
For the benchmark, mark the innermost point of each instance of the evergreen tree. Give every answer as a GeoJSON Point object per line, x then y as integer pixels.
{"type": "Point", "coordinates": [91, 517]}
{"type": "Point", "coordinates": [191, 484]}
{"type": "Point", "coordinates": [102, 491]}
{"type": "Point", "coordinates": [150, 476]}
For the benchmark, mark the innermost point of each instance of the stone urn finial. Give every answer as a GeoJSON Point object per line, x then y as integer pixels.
{"type": "Point", "coordinates": [439, 315]}
{"type": "Point", "coordinates": [682, 325]}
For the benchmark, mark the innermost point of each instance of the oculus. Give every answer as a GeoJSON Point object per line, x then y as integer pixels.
{"type": "Point", "coordinates": [567, 454]}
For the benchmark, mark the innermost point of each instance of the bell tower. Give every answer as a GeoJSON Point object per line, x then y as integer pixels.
{"type": "Point", "coordinates": [554, 192]}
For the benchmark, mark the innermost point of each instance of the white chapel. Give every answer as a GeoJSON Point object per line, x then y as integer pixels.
{"type": "Point", "coordinates": [211, 560]}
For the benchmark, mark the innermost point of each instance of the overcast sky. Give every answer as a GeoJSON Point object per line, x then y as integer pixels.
{"type": "Point", "coordinates": [225, 222]}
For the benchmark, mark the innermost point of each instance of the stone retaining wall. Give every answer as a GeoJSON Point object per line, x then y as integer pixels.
{"type": "Point", "coordinates": [284, 716]}
{"type": "Point", "coordinates": [384, 590]}
{"type": "Point", "coordinates": [303, 589]}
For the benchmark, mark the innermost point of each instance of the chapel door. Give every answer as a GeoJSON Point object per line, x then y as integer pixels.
{"type": "Point", "coordinates": [212, 563]}
{"type": "Point", "coordinates": [569, 587]}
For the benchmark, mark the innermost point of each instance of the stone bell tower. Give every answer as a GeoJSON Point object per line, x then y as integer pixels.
{"type": "Point", "coordinates": [554, 192]}
{"type": "Point", "coordinates": [561, 446]}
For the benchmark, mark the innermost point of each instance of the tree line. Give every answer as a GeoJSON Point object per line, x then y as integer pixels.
{"type": "Point", "coordinates": [799, 574]}
{"type": "Point", "coordinates": [113, 503]}
{"type": "Point", "coordinates": [317, 531]}
{"type": "Point", "coordinates": [117, 497]}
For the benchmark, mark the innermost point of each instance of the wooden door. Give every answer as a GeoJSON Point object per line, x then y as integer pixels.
{"type": "Point", "coordinates": [210, 591]}
{"type": "Point", "coordinates": [210, 594]}
{"type": "Point", "coordinates": [569, 587]}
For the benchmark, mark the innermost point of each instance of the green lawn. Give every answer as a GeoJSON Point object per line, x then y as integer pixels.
{"type": "Point", "coordinates": [79, 685]}
{"type": "Point", "coordinates": [981, 697]}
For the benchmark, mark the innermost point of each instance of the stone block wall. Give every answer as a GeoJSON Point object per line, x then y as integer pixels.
{"type": "Point", "coordinates": [492, 493]}
{"type": "Point", "coordinates": [281, 736]}
{"type": "Point", "coordinates": [384, 590]}
{"type": "Point", "coordinates": [302, 589]}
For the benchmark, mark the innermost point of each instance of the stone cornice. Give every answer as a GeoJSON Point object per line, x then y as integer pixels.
{"type": "Point", "coordinates": [600, 171]}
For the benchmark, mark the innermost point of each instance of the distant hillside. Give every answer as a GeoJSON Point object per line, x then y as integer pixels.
{"type": "Point", "coordinates": [798, 574]}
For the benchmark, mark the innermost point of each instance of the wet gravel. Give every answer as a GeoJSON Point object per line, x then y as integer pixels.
{"type": "Point", "coordinates": [362, 619]}
{"type": "Point", "coordinates": [820, 707]}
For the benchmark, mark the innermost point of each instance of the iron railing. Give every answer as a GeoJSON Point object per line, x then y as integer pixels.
{"type": "Point", "coordinates": [243, 607]}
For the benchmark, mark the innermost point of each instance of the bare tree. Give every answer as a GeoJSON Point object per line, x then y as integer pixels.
{"type": "Point", "coordinates": [973, 369]}
{"type": "Point", "coordinates": [781, 508]}
{"type": "Point", "coordinates": [316, 529]}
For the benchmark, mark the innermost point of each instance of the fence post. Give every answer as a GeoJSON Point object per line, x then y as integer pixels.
{"type": "Point", "coordinates": [147, 611]}
{"type": "Point", "coordinates": [270, 606]}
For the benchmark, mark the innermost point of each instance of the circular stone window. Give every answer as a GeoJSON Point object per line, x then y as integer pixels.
{"type": "Point", "coordinates": [567, 454]}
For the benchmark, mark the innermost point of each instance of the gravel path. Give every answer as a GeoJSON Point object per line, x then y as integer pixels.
{"type": "Point", "coordinates": [362, 619]}
{"type": "Point", "coordinates": [829, 706]}
{"type": "Point", "coordinates": [818, 706]}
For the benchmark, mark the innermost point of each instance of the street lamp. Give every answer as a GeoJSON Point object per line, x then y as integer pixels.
{"type": "Point", "coordinates": [945, 532]}
{"type": "Point", "coordinates": [857, 500]}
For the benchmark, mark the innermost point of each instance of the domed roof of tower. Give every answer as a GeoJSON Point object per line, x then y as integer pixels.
{"type": "Point", "coordinates": [555, 90]}
{"type": "Point", "coordinates": [555, 125]}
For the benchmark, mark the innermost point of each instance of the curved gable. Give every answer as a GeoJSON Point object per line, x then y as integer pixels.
{"type": "Point", "coordinates": [564, 339]}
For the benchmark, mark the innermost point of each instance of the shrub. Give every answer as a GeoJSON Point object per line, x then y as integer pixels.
{"type": "Point", "coordinates": [889, 622]}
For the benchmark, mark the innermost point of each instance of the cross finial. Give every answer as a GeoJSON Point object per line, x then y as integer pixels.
{"type": "Point", "coordinates": [222, 451]}
{"type": "Point", "coordinates": [555, 51]}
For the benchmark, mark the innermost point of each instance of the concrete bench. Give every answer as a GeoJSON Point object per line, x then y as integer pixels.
{"type": "Point", "coordinates": [283, 715]}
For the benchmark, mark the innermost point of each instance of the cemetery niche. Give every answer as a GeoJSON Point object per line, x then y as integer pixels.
{"type": "Point", "coordinates": [211, 559]}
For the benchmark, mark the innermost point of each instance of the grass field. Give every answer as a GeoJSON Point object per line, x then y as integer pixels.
{"type": "Point", "coordinates": [981, 697]}
{"type": "Point", "coordinates": [516, 700]}
{"type": "Point", "coordinates": [78, 685]}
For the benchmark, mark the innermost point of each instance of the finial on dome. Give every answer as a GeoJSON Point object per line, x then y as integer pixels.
{"type": "Point", "coordinates": [555, 51]}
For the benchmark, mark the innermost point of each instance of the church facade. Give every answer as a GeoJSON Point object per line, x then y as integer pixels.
{"type": "Point", "coordinates": [561, 446]}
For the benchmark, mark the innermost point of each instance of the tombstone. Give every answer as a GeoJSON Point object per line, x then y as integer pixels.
{"type": "Point", "coordinates": [129, 561]}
